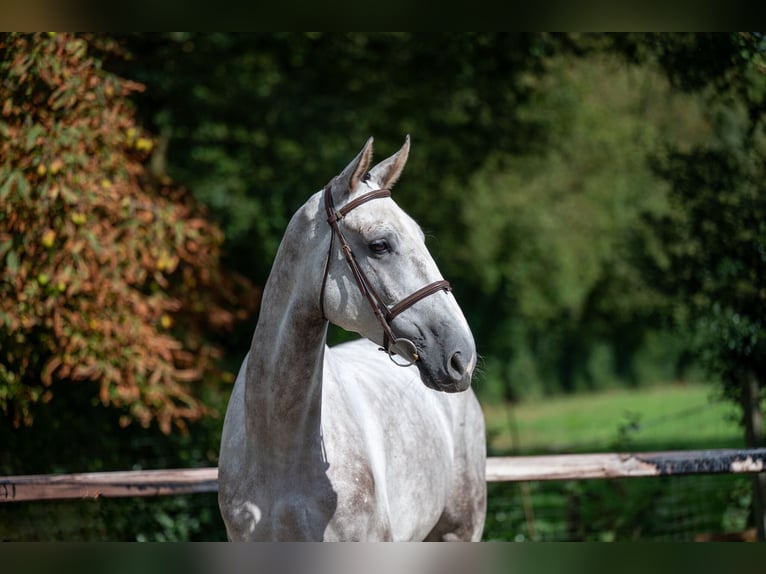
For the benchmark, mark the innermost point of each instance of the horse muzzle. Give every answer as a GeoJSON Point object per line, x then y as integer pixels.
{"type": "Point", "coordinates": [450, 371]}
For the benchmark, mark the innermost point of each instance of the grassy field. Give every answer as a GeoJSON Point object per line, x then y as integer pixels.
{"type": "Point", "coordinates": [657, 418]}
{"type": "Point", "coordinates": [670, 417]}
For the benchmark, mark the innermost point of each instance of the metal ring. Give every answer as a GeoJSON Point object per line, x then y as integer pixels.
{"type": "Point", "coordinates": [403, 352]}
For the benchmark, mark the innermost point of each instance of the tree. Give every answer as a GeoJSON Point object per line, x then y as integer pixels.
{"type": "Point", "coordinates": [110, 277]}
{"type": "Point", "coordinates": [715, 238]}
{"type": "Point", "coordinates": [254, 123]}
{"type": "Point", "coordinates": [553, 234]}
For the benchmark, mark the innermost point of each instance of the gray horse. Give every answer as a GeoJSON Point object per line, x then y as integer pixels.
{"type": "Point", "coordinates": [348, 442]}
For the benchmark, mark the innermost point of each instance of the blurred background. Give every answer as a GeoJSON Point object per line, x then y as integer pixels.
{"type": "Point", "coordinates": [598, 203]}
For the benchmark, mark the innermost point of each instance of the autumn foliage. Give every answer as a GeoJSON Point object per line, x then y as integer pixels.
{"type": "Point", "coordinates": [108, 275]}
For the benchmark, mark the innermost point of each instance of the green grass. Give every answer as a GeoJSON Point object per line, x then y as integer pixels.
{"type": "Point", "coordinates": [665, 417]}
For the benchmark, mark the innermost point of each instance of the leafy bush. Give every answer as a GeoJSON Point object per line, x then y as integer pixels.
{"type": "Point", "coordinates": [110, 275]}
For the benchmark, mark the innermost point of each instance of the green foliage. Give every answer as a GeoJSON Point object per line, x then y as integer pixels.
{"type": "Point", "coordinates": [553, 236]}
{"type": "Point", "coordinates": [256, 123]}
{"type": "Point", "coordinates": [715, 238]}
{"type": "Point", "coordinates": [168, 519]}
{"type": "Point", "coordinates": [528, 170]}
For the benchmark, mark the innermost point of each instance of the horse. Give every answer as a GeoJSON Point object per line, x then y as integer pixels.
{"type": "Point", "coordinates": [377, 439]}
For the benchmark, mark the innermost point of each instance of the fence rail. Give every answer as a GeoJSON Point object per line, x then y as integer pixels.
{"type": "Point", "coordinates": [499, 469]}
{"type": "Point", "coordinates": [108, 484]}
{"type": "Point", "coordinates": [627, 465]}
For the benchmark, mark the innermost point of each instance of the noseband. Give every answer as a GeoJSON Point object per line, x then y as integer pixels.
{"type": "Point", "coordinates": [393, 345]}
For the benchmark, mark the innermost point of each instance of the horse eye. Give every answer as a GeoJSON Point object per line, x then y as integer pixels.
{"type": "Point", "coordinates": [379, 246]}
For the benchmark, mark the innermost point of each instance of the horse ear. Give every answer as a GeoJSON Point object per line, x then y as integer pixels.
{"type": "Point", "coordinates": [351, 175]}
{"type": "Point", "coordinates": [389, 170]}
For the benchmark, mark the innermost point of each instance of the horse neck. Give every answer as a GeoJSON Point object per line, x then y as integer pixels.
{"type": "Point", "coordinates": [283, 393]}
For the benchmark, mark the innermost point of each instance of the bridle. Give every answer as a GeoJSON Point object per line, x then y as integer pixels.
{"type": "Point", "coordinates": [395, 346]}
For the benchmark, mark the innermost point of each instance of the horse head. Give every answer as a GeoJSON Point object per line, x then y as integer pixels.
{"type": "Point", "coordinates": [381, 281]}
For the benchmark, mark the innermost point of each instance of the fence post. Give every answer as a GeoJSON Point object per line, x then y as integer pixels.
{"type": "Point", "coordinates": [751, 402]}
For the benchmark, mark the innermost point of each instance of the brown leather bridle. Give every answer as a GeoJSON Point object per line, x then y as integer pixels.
{"type": "Point", "coordinates": [393, 345]}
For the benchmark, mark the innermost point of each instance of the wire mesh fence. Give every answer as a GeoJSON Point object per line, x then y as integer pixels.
{"type": "Point", "coordinates": [192, 517]}
{"type": "Point", "coordinates": [673, 508]}
{"type": "Point", "coordinates": [667, 508]}
{"type": "Point", "coordinates": [661, 496]}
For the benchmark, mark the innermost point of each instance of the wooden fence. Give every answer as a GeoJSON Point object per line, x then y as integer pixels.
{"type": "Point", "coordinates": [499, 469]}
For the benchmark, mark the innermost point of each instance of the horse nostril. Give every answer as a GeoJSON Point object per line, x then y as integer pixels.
{"type": "Point", "coordinates": [457, 364]}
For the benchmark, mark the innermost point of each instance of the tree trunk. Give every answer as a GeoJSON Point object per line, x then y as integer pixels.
{"type": "Point", "coordinates": [751, 403]}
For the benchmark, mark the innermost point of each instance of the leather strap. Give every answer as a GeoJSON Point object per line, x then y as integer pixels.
{"type": "Point", "coordinates": [421, 293]}
{"type": "Point", "coordinates": [333, 215]}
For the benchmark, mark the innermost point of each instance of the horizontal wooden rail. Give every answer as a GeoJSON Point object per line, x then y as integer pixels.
{"type": "Point", "coordinates": [614, 465]}
{"type": "Point", "coordinates": [108, 484]}
{"type": "Point", "coordinates": [499, 469]}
